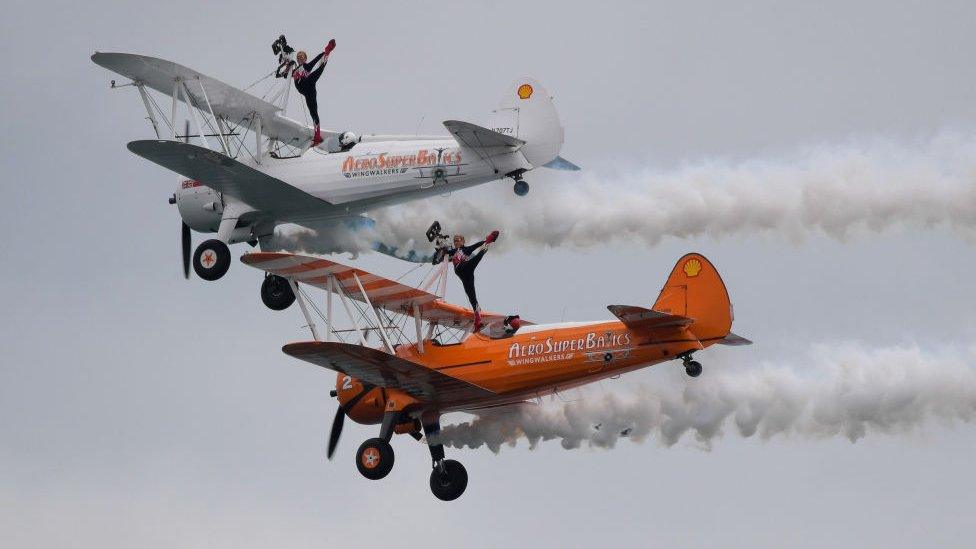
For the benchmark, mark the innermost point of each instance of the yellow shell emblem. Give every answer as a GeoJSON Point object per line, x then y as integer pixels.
{"type": "Point", "coordinates": [525, 91]}
{"type": "Point", "coordinates": [692, 267]}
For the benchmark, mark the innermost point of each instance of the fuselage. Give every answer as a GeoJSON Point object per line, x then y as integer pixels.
{"type": "Point", "coordinates": [535, 362]}
{"type": "Point", "coordinates": [382, 173]}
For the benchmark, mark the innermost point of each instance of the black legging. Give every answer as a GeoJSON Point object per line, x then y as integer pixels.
{"type": "Point", "coordinates": [465, 271]}
{"type": "Point", "coordinates": [306, 87]}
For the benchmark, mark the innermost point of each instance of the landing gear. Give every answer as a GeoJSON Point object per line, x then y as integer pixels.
{"type": "Point", "coordinates": [211, 260]}
{"type": "Point", "coordinates": [375, 458]}
{"type": "Point", "coordinates": [276, 293]}
{"type": "Point", "coordinates": [692, 367]}
{"type": "Point", "coordinates": [448, 479]}
{"type": "Point", "coordinates": [521, 187]}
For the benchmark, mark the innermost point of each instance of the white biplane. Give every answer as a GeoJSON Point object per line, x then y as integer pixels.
{"type": "Point", "coordinates": [254, 168]}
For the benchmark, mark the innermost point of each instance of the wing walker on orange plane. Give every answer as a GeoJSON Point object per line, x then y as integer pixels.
{"type": "Point", "coordinates": [405, 382]}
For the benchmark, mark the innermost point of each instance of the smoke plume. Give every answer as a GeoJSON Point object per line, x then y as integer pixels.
{"type": "Point", "coordinates": [839, 191]}
{"type": "Point", "coordinates": [849, 392]}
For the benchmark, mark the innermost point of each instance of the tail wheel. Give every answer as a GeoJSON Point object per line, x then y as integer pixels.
{"type": "Point", "coordinates": [448, 480]}
{"type": "Point", "coordinates": [521, 188]}
{"type": "Point", "coordinates": [211, 260]}
{"type": "Point", "coordinates": [693, 368]}
{"type": "Point", "coordinates": [375, 458]}
{"type": "Point", "coordinates": [276, 293]}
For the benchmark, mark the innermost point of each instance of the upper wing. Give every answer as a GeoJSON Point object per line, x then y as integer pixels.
{"type": "Point", "coordinates": [382, 292]}
{"type": "Point", "coordinates": [229, 176]}
{"type": "Point", "coordinates": [386, 370]}
{"type": "Point", "coordinates": [227, 101]}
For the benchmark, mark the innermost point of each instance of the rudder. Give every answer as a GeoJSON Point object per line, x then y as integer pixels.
{"type": "Point", "coordinates": [695, 290]}
{"type": "Point", "coordinates": [526, 112]}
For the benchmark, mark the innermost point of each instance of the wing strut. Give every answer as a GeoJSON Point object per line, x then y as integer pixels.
{"type": "Point", "coordinates": [301, 303]}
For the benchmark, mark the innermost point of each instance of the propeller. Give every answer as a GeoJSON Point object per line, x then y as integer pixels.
{"type": "Point", "coordinates": [186, 251]}
{"type": "Point", "coordinates": [340, 419]}
{"type": "Point", "coordinates": [185, 231]}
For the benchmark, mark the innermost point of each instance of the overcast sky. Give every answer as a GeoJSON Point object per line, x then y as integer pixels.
{"type": "Point", "coordinates": [139, 409]}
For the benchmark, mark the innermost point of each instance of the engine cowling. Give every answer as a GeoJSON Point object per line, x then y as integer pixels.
{"type": "Point", "coordinates": [368, 408]}
{"type": "Point", "coordinates": [199, 205]}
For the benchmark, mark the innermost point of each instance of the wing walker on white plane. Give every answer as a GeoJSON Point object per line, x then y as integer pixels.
{"type": "Point", "coordinates": [250, 168]}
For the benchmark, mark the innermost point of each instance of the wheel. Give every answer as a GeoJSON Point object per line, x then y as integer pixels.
{"type": "Point", "coordinates": [521, 188]}
{"type": "Point", "coordinates": [211, 260]}
{"type": "Point", "coordinates": [276, 293]}
{"type": "Point", "coordinates": [375, 458]}
{"type": "Point", "coordinates": [450, 483]}
{"type": "Point", "coordinates": [693, 368]}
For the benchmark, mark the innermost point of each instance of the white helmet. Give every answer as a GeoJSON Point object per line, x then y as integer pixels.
{"type": "Point", "coordinates": [347, 138]}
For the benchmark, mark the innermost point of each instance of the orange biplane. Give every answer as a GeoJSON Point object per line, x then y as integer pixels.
{"type": "Point", "coordinates": [405, 384]}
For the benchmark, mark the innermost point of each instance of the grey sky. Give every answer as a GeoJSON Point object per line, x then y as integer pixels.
{"type": "Point", "coordinates": [140, 409]}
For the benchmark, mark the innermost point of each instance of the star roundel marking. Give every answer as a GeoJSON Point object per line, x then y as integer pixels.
{"type": "Point", "coordinates": [371, 458]}
{"type": "Point", "coordinates": [208, 258]}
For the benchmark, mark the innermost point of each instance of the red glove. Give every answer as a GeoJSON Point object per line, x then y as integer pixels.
{"type": "Point", "coordinates": [493, 236]}
{"type": "Point", "coordinates": [330, 46]}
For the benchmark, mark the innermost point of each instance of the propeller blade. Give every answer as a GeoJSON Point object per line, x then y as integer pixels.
{"type": "Point", "coordinates": [186, 228]}
{"type": "Point", "coordinates": [340, 418]}
{"type": "Point", "coordinates": [186, 251]}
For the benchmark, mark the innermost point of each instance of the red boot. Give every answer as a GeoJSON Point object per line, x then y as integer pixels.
{"type": "Point", "coordinates": [318, 136]}
{"type": "Point", "coordinates": [477, 321]}
{"type": "Point", "coordinates": [493, 236]}
{"type": "Point", "coordinates": [329, 47]}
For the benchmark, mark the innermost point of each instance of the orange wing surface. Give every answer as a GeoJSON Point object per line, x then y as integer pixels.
{"type": "Point", "coordinates": [388, 371]}
{"type": "Point", "coordinates": [382, 292]}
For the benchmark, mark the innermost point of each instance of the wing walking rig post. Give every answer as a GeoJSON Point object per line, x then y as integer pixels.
{"type": "Point", "coordinates": [406, 383]}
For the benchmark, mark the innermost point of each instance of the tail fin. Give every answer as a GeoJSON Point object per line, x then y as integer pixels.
{"type": "Point", "coordinates": [526, 112]}
{"type": "Point", "coordinates": [696, 290]}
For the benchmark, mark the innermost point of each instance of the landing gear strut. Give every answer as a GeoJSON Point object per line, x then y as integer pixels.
{"type": "Point", "coordinates": [211, 260]}
{"type": "Point", "coordinates": [448, 479]}
{"type": "Point", "coordinates": [692, 367]}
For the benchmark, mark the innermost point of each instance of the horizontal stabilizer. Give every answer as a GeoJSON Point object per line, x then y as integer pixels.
{"type": "Point", "coordinates": [734, 340]}
{"type": "Point", "coordinates": [639, 318]}
{"type": "Point", "coordinates": [560, 163]}
{"type": "Point", "coordinates": [474, 136]}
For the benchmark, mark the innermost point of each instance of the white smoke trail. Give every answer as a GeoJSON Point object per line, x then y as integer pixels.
{"type": "Point", "coordinates": [844, 391]}
{"type": "Point", "coordinates": [838, 191]}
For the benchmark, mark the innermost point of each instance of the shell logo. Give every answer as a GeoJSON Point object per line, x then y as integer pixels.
{"type": "Point", "coordinates": [692, 267]}
{"type": "Point", "coordinates": [525, 91]}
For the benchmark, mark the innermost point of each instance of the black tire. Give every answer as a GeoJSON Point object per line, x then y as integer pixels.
{"type": "Point", "coordinates": [521, 188]}
{"type": "Point", "coordinates": [374, 458]}
{"type": "Point", "coordinates": [693, 368]}
{"type": "Point", "coordinates": [449, 484]}
{"type": "Point", "coordinates": [211, 259]}
{"type": "Point", "coordinates": [276, 293]}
